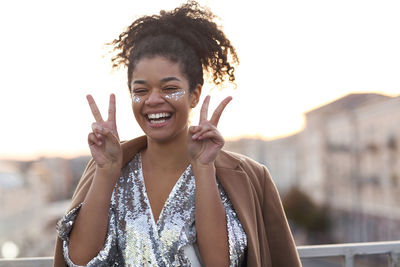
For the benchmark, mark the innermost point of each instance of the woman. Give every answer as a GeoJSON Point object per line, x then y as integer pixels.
{"type": "Point", "coordinates": [172, 197]}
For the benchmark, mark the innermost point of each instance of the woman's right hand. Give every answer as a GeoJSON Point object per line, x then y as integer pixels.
{"type": "Point", "coordinates": [103, 140]}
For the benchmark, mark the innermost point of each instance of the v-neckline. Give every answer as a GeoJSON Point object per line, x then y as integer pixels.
{"type": "Point", "coordinates": [170, 195]}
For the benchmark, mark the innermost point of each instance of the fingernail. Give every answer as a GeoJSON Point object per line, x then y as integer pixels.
{"type": "Point", "coordinates": [99, 143]}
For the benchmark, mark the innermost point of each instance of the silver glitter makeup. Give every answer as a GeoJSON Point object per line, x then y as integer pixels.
{"type": "Point", "coordinates": [136, 99]}
{"type": "Point", "coordinates": [135, 239]}
{"type": "Point", "coordinates": [176, 95]}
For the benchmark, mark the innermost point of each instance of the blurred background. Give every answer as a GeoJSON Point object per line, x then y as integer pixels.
{"type": "Point", "coordinates": [317, 101]}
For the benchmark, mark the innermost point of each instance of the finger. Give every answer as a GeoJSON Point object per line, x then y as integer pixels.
{"type": "Point", "coordinates": [97, 129]}
{"type": "Point", "coordinates": [93, 140]}
{"type": "Point", "coordinates": [94, 108]}
{"type": "Point", "coordinates": [218, 111]}
{"type": "Point", "coordinates": [215, 136]}
{"type": "Point", "coordinates": [110, 136]}
{"type": "Point", "coordinates": [204, 109]}
{"type": "Point", "coordinates": [205, 128]}
{"type": "Point", "coordinates": [198, 135]}
{"type": "Point", "coordinates": [111, 108]}
{"type": "Point", "coordinates": [194, 129]}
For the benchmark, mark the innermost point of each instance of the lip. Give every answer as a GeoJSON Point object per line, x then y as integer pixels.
{"type": "Point", "coordinates": [158, 125]}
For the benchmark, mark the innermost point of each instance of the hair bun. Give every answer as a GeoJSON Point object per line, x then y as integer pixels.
{"type": "Point", "coordinates": [191, 24]}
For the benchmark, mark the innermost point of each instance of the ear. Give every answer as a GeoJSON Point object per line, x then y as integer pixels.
{"type": "Point", "coordinates": [195, 96]}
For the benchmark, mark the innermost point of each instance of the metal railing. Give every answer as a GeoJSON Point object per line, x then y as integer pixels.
{"type": "Point", "coordinates": [347, 251]}
{"type": "Point", "coordinates": [27, 262]}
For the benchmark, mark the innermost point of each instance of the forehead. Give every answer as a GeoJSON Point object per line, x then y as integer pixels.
{"type": "Point", "coordinates": [157, 67]}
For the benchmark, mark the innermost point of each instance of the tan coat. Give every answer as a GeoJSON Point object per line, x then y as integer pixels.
{"type": "Point", "coordinates": [253, 195]}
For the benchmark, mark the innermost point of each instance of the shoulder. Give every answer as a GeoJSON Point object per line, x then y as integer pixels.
{"type": "Point", "coordinates": [83, 185]}
{"type": "Point", "coordinates": [240, 162]}
{"type": "Point", "coordinates": [256, 173]}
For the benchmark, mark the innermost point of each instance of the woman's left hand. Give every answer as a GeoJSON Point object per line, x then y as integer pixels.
{"type": "Point", "coordinates": [205, 141]}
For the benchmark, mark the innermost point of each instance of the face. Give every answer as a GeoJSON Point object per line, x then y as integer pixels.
{"type": "Point", "coordinates": [161, 100]}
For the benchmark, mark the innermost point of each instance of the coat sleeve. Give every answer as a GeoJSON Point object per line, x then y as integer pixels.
{"type": "Point", "coordinates": [108, 256]}
{"type": "Point", "coordinates": [64, 226]}
{"type": "Point", "coordinates": [77, 198]}
{"type": "Point", "coordinates": [280, 241]}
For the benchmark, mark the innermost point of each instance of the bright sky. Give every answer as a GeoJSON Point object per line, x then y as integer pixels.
{"type": "Point", "coordinates": [295, 55]}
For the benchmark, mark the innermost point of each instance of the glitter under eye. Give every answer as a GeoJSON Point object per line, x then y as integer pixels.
{"type": "Point", "coordinates": [136, 99]}
{"type": "Point", "coordinates": [176, 95]}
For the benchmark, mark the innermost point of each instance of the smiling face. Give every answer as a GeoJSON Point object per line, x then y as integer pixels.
{"type": "Point", "coordinates": [161, 100]}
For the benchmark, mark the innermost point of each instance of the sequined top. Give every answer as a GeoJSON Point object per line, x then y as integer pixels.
{"type": "Point", "coordinates": [135, 239]}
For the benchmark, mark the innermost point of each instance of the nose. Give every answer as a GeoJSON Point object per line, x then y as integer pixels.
{"type": "Point", "coordinates": [154, 98]}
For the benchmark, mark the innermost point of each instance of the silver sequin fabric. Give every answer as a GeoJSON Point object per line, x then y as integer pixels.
{"type": "Point", "coordinates": [134, 238]}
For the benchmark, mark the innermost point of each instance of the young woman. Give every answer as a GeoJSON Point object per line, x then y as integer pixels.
{"type": "Point", "coordinates": [172, 197]}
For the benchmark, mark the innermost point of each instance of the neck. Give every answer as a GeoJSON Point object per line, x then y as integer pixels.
{"type": "Point", "coordinates": [171, 155]}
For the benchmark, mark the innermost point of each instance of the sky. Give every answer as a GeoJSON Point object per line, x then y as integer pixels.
{"type": "Point", "coordinates": [294, 56]}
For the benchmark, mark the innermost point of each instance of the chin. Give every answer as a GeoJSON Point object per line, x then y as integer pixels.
{"type": "Point", "coordinates": [163, 137]}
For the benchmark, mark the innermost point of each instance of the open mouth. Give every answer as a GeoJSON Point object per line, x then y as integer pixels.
{"type": "Point", "coordinates": [158, 118]}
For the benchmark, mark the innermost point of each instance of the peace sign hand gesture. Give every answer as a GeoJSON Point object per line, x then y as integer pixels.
{"type": "Point", "coordinates": [104, 141]}
{"type": "Point", "coordinates": [205, 141]}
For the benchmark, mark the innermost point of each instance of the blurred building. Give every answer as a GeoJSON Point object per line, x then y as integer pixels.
{"type": "Point", "coordinates": [280, 156]}
{"type": "Point", "coordinates": [33, 196]}
{"type": "Point", "coordinates": [56, 174]}
{"type": "Point", "coordinates": [347, 159]}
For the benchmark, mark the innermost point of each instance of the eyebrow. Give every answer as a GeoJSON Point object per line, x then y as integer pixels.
{"type": "Point", "coordinates": [139, 82]}
{"type": "Point", "coordinates": [168, 79]}
{"type": "Point", "coordinates": [163, 80]}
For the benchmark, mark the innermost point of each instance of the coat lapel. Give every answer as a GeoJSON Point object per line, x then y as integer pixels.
{"type": "Point", "coordinates": [131, 147]}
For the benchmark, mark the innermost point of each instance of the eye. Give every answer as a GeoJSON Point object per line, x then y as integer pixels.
{"type": "Point", "coordinates": [139, 91]}
{"type": "Point", "coordinates": [171, 88]}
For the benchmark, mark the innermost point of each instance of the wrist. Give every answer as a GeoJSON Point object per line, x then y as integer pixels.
{"type": "Point", "coordinates": [112, 169]}
{"type": "Point", "coordinates": [203, 168]}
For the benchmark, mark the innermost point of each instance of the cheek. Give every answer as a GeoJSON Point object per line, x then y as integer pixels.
{"type": "Point", "coordinates": [176, 96]}
{"type": "Point", "coordinates": [136, 109]}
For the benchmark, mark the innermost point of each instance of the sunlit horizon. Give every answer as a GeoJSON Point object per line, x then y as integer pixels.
{"type": "Point", "coordinates": [68, 154]}
{"type": "Point", "coordinates": [295, 57]}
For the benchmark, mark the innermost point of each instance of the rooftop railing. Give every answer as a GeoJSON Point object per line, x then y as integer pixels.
{"type": "Point", "coordinates": [346, 254]}
{"type": "Point", "coordinates": [311, 256]}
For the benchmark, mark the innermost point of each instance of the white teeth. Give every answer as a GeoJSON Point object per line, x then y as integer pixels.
{"type": "Point", "coordinates": [158, 115]}
{"type": "Point", "coordinates": [157, 121]}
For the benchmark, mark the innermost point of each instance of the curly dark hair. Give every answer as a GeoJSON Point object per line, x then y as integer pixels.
{"type": "Point", "coordinates": [186, 35]}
